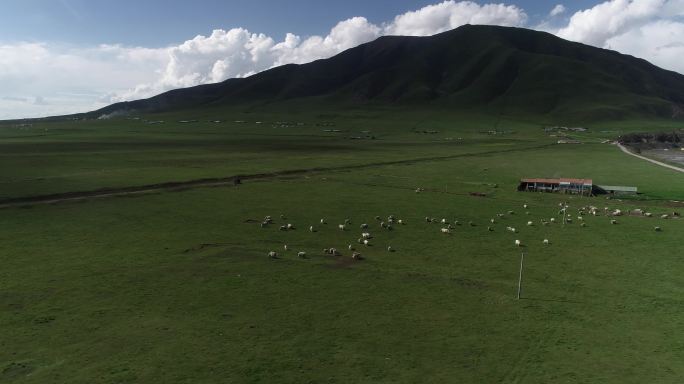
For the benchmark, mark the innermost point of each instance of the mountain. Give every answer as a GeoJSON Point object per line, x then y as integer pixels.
{"type": "Point", "coordinates": [488, 68]}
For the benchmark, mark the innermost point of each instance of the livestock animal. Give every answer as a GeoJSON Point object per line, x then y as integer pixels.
{"type": "Point", "coordinates": [272, 255]}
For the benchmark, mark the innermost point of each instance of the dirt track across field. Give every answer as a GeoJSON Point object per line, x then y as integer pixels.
{"type": "Point", "coordinates": [224, 181]}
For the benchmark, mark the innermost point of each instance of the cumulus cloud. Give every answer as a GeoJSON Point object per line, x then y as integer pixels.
{"type": "Point", "coordinates": [650, 29]}
{"type": "Point", "coordinates": [557, 10]}
{"type": "Point", "coordinates": [450, 14]}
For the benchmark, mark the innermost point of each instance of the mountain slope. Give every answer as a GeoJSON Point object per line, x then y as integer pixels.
{"type": "Point", "coordinates": [511, 70]}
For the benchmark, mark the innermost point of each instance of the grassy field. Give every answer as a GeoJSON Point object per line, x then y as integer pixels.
{"type": "Point", "coordinates": [176, 287]}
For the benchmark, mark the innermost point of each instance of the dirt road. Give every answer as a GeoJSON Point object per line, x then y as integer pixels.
{"type": "Point", "coordinates": [656, 162]}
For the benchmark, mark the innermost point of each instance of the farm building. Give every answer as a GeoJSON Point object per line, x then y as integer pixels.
{"type": "Point", "coordinates": [615, 190]}
{"type": "Point", "coordinates": [573, 186]}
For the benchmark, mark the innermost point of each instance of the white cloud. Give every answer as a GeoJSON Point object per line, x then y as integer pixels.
{"type": "Point", "coordinates": [450, 14]}
{"type": "Point", "coordinates": [557, 10]}
{"type": "Point", "coordinates": [650, 29]}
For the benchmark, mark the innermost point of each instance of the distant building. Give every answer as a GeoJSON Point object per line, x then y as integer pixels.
{"type": "Point", "coordinates": [573, 186]}
{"type": "Point", "coordinates": [616, 190]}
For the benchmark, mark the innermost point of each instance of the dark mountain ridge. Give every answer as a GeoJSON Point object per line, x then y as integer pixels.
{"type": "Point", "coordinates": [511, 70]}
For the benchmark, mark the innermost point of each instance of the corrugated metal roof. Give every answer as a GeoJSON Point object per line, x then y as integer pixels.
{"type": "Point", "coordinates": [559, 181]}
{"type": "Point", "coordinates": [618, 188]}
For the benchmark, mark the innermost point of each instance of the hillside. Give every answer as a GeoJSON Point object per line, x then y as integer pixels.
{"type": "Point", "coordinates": [487, 68]}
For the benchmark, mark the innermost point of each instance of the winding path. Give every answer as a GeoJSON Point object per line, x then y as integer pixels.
{"type": "Point", "coordinates": [656, 162]}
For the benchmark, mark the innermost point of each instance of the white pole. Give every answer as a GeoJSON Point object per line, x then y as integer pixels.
{"type": "Point", "coordinates": [522, 260]}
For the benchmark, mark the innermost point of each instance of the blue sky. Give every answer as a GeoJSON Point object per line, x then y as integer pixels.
{"type": "Point", "coordinates": [158, 23]}
{"type": "Point", "coordinates": [67, 56]}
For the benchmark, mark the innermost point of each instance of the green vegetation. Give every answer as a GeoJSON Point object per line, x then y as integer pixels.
{"type": "Point", "coordinates": [487, 69]}
{"type": "Point", "coordinates": [176, 286]}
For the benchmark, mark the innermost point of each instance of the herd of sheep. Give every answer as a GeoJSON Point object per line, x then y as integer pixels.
{"type": "Point", "coordinates": [565, 217]}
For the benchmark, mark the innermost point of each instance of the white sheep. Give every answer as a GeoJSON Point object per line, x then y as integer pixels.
{"type": "Point", "coordinates": [290, 226]}
{"type": "Point", "coordinates": [366, 242]}
{"type": "Point", "coordinates": [657, 229]}
{"type": "Point", "coordinates": [272, 255]}
{"type": "Point", "coordinates": [322, 221]}
{"type": "Point", "coordinates": [444, 221]}
{"type": "Point", "coordinates": [613, 221]}
{"type": "Point", "coordinates": [546, 241]}
{"type": "Point", "coordinates": [364, 226]}
{"type": "Point", "coordinates": [525, 206]}
{"type": "Point", "coordinates": [357, 256]}
{"type": "Point", "coordinates": [492, 221]}
{"type": "Point", "coordinates": [366, 235]}
{"type": "Point", "coordinates": [553, 220]}
{"type": "Point", "coordinates": [529, 223]}
{"type": "Point", "coordinates": [349, 247]}
{"type": "Point", "coordinates": [665, 216]}
{"type": "Point", "coordinates": [390, 249]}
{"type": "Point", "coordinates": [446, 230]}
{"type": "Point", "coordinates": [400, 222]}
{"type": "Point", "coordinates": [311, 228]}
{"type": "Point", "coordinates": [301, 255]}
{"type": "Point", "coordinates": [285, 247]}
{"type": "Point", "coordinates": [648, 214]}
{"type": "Point", "coordinates": [342, 227]}
{"type": "Point", "coordinates": [518, 243]}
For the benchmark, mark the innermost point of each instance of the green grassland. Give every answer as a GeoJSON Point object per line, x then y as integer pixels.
{"type": "Point", "coordinates": [176, 287]}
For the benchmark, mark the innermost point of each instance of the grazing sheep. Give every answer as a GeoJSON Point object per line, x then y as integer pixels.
{"type": "Point", "coordinates": [546, 241]}
{"type": "Point", "coordinates": [500, 214]}
{"type": "Point", "coordinates": [580, 218]}
{"type": "Point", "coordinates": [400, 222]}
{"type": "Point", "coordinates": [553, 220]}
{"type": "Point", "coordinates": [359, 240]}
{"type": "Point", "coordinates": [357, 256]}
{"type": "Point", "coordinates": [335, 252]}
{"type": "Point", "coordinates": [492, 221]}
{"type": "Point", "coordinates": [390, 249]}
{"type": "Point", "coordinates": [366, 242]}
{"type": "Point", "coordinates": [648, 214]}
{"type": "Point", "coordinates": [446, 230]}
{"type": "Point", "coordinates": [665, 216]}
{"type": "Point", "coordinates": [290, 226]}
{"type": "Point", "coordinates": [568, 220]}
{"type": "Point", "coordinates": [264, 225]}
{"type": "Point", "coordinates": [311, 228]}
{"type": "Point", "coordinates": [583, 225]}
{"type": "Point", "coordinates": [613, 221]}
{"type": "Point", "coordinates": [518, 243]}
{"type": "Point", "coordinates": [366, 235]}
{"type": "Point", "coordinates": [511, 212]}
{"type": "Point", "coordinates": [350, 247]}
{"type": "Point", "coordinates": [322, 221]}
{"type": "Point", "coordinates": [272, 255]}
{"type": "Point", "coordinates": [525, 206]}
{"type": "Point", "coordinates": [382, 224]}
{"type": "Point", "coordinates": [529, 223]}
{"type": "Point", "coordinates": [490, 229]}
{"type": "Point", "coordinates": [285, 247]}
{"type": "Point", "coordinates": [364, 226]}
{"type": "Point", "coordinates": [301, 255]}
{"type": "Point", "coordinates": [342, 227]}
{"type": "Point", "coordinates": [657, 229]}
{"type": "Point", "coordinates": [427, 219]}
{"type": "Point", "coordinates": [283, 228]}
{"type": "Point", "coordinates": [444, 221]}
